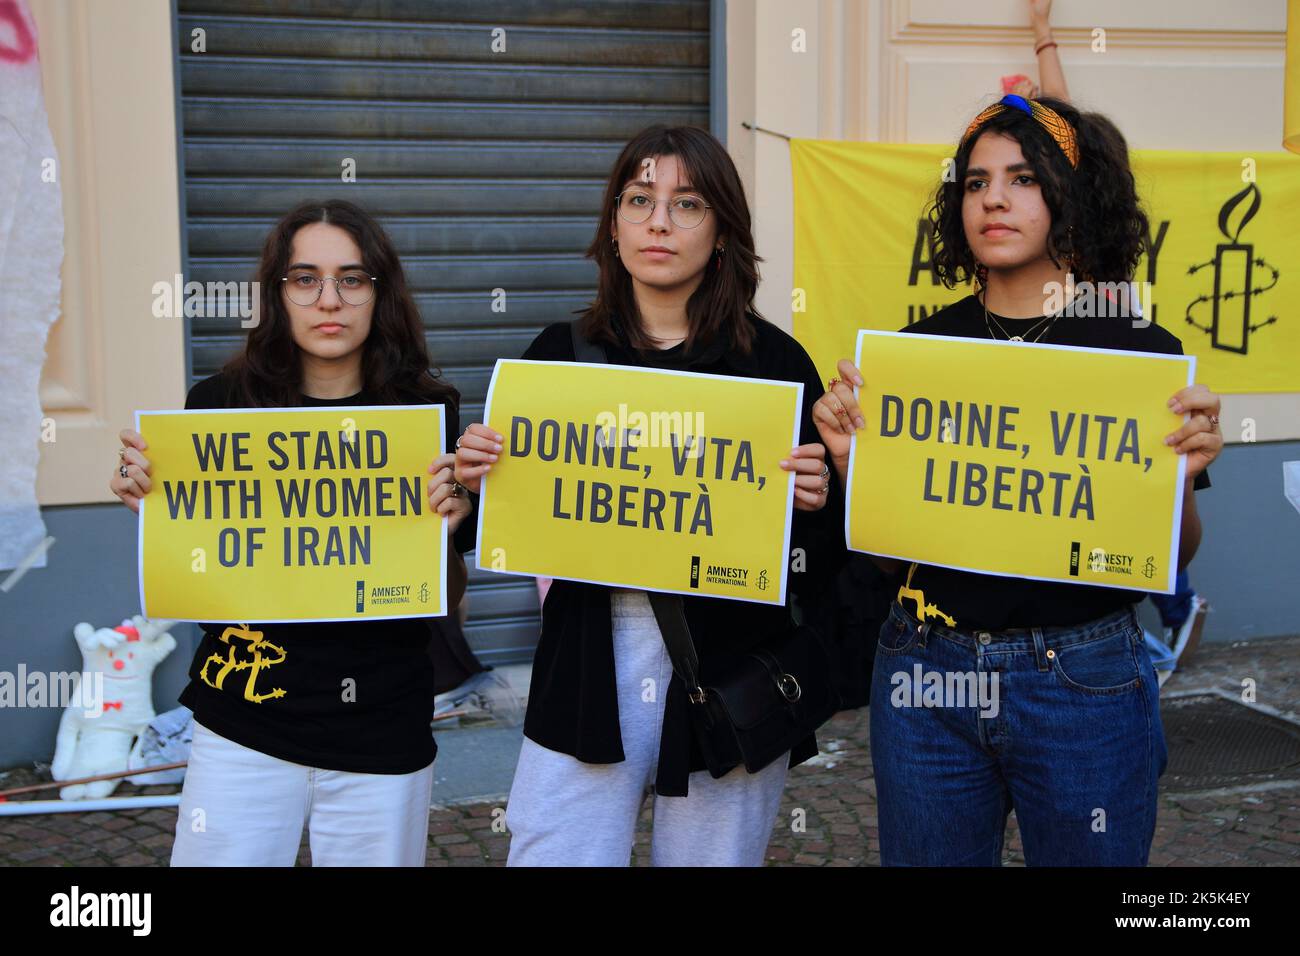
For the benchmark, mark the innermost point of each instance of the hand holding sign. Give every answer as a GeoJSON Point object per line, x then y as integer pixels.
{"type": "Point", "coordinates": [135, 484]}
{"type": "Point", "coordinates": [808, 462]}
{"type": "Point", "coordinates": [837, 414]}
{"type": "Point", "coordinates": [442, 493]}
{"type": "Point", "coordinates": [1199, 439]}
{"type": "Point", "coordinates": [475, 452]}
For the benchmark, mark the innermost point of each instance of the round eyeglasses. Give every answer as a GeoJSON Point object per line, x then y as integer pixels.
{"type": "Point", "coordinates": [638, 205]}
{"type": "Point", "coordinates": [355, 288]}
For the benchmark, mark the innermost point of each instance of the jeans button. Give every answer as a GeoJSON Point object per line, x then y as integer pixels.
{"type": "Point", "coordinates": [984, 637]}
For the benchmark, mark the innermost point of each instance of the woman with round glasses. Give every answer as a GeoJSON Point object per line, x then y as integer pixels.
{"type": "Point", "coordinates": [607, 718]}
{"type": "Point", "coordinates": [334, 731]}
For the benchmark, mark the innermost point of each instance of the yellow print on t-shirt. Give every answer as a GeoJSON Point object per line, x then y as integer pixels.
{"type": "Point", "coordinates": [923, 611]}
{"type": "Point", "coordinates": [254, 666]}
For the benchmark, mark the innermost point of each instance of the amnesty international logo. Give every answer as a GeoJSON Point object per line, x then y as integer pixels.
{"type": "Point", "coordinates": [1236, 267]}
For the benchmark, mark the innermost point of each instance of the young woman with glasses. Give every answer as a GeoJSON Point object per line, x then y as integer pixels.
{"type": "Point", "coordinates": [334, 732]}
{"type": "Point", "coordinates": [677, 279]}
{"type": "Point", "coordinates": [1075, 746]}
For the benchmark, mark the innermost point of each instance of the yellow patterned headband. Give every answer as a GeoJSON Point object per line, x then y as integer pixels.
{"type": "Point", "coordinates": [1047, 118]}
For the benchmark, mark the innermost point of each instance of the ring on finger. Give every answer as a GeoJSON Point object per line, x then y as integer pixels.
{"type": "Point", "coordinates": [825, 489]}
{"type": "Point", "coordinates": [121, 470]}
{"type": "Point", "coordinates": [121, 454]}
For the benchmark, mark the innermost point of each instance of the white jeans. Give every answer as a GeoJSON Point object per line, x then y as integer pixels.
{"type": "Point", "coordinates": [240, 807]}
{"type": "Point", "coordinates": [563, 812]}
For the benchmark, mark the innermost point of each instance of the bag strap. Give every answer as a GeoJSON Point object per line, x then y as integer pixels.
{"type": "Point", "coordinates": [583, 350]}
{"type": "Point", "coordinates": [676, 633]}
{"type": "Point", "coordinates": [669, 612]}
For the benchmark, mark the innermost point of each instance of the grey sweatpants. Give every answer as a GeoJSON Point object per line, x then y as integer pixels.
{"type": "Point", "coordinates": [563, 812]}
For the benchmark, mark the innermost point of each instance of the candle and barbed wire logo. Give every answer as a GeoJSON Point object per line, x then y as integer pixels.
{"type": "Point", "coordinates": [1235, 269]}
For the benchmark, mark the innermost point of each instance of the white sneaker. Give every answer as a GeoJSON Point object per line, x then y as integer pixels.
{"type": "Point", "coordinates": [487, 693]}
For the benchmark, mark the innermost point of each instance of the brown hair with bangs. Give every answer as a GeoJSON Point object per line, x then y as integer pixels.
{"type": "Point", "coordinates": [718, 307]}
{"type": "Point", "coordinates": [395, 365]}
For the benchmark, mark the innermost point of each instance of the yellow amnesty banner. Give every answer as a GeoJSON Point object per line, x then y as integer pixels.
{"type": "Point", "coordinates": [1223, 274]}
{"type": "Point", "coordinates": [292, 514]}
{"type": "Point", "coordinates": [639, 478]}
{"type": "Point", "coordinates": [1010, 459]}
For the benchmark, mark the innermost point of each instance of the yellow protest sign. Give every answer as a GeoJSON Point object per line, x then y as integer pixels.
{"type": "Point", "coordinates": [1008, 458]}
{"type": "Point", "coordinates": [292, 514]}
{"type": "Point", "coordinates": [640, 478]}
{"type": "Point", "coordinates": [1222, 273]}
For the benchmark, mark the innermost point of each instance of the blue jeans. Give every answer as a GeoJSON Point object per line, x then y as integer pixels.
{"type": "Point", "coordinates": [1060, 723]}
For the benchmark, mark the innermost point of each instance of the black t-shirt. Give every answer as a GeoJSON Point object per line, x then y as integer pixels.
{"type": "Point", "coordinates": [381, 724]}
{"type": "Point", "coordinates": [990, 602]}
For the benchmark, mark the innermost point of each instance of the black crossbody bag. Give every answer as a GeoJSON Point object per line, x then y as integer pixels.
{"type": "Point", "coordinates": [774, 698]}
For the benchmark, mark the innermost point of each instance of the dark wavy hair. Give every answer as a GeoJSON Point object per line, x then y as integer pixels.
{"type": "Point", "coordinates": [726, 294]}
{"type": "Point", "coordinates": [395, 363]}
{"type": "Point", "coordinates": [1098, 227]}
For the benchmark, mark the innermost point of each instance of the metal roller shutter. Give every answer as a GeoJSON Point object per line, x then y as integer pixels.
{"type": "Point", "coordinates": [486, 167]}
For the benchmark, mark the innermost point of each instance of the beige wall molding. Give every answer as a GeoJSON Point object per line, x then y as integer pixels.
{"type": "Point", "coordinates": [107, 75]}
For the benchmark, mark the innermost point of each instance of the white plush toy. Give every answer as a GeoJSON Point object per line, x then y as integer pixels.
{"type": "Point", "coordinates": [92, 739]}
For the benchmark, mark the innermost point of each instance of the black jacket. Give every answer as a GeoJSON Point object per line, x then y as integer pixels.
{"type": "Point", "coordinates": [573, 700]}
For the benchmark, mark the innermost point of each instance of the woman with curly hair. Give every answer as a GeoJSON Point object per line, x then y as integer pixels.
{"type": "Point", "coordinates": [1043, 197]}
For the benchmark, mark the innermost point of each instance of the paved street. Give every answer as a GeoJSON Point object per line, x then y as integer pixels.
{"type": "Point", "coordinates": [1243, 826]}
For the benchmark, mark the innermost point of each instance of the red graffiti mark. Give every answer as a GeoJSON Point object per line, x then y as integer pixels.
{"type": "Point", "coordinates": [26, 48]}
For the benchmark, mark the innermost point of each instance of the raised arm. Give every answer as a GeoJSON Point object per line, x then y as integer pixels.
{"type": "Point", "coordinates": [1051, 77]}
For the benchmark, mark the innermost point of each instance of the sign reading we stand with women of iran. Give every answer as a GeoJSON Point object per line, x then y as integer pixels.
{"type": "Point", "coordinates": [652, 479]}
{"type": "Point", "coordinates": [292, 514]}
{"type": "Point", "coordinates": [1008, 458]}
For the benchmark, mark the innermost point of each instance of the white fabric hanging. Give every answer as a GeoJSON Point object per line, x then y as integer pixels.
{"type": "Point", "coordinates": [31, 255]}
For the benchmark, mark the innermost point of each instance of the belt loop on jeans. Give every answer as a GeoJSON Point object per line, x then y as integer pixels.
{"type": "Point", "coordinates": [922, 633]}
{"type": "Point", "coordinates": [1040, 650]}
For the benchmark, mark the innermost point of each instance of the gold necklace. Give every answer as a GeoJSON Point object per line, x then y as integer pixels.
{"type": "Point", "coordinates": [1049, 319]}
